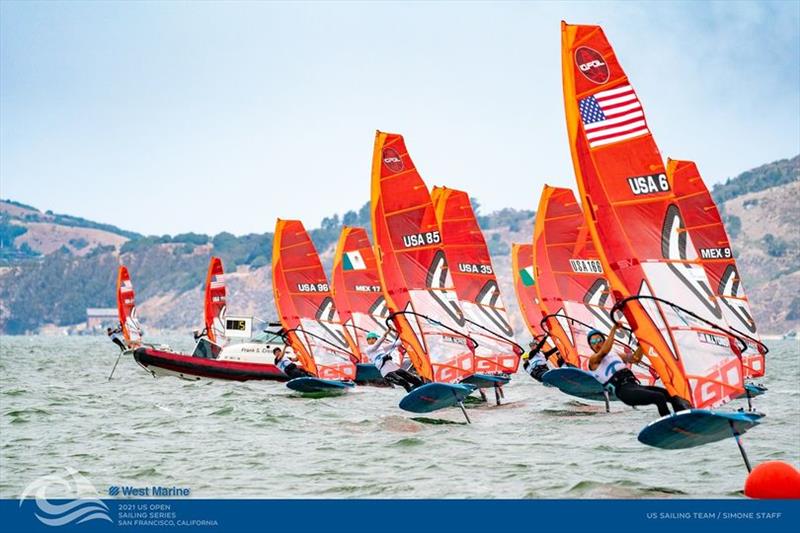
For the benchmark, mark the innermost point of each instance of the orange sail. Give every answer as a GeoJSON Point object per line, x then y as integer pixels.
{"type": "Point", "coordinates": [415, 277]}
{"type": "Point", "coordinates": [356, 288]}
{"type": "Point", "coordinates": [126, 308]}
{"type": "Point", "coordinates": [214, 308]}
{"type": "Point", "coordinates": [704, 225]}
{"type": "Point", "coordinates": [525, 287]}
{"type": "Point", "coordinates": [573, 292]}
{"type": "Point", "coordinates": [305, 305]}
{"type": "Point", "coordinates": [475, 283]}
{"type": "Point", "coordinates": [632, 214]}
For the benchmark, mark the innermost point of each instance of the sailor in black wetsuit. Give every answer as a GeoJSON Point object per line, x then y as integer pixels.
{"type": "Point", "coordinates": [535, 361]}
{"type": "Point", "coordinates": [611, 370]}
{"type": "Point", "coordinates": [288, 366]}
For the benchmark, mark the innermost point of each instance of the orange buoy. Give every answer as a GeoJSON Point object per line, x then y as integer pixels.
{"type": "Point", "coordinates": [773, 480]}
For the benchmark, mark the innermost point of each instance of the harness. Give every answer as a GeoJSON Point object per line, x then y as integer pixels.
{"type": "Point", "coordinates": [621, 378]}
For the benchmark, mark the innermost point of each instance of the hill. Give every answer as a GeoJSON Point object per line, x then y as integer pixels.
{"type": "Point", "coordinates": [55, 266]}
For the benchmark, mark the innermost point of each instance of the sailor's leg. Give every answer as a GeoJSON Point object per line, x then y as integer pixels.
{"type": "Point", "coordinates": [413, 380]}
{"type": "Point", "coordinates": [538, 371]}
{"type": "Point", "coordinates": [678, 403]}
{"type": "Point", "coordinates": [634, 394]}
{"type": "Point", "coordinates": [395, 378]}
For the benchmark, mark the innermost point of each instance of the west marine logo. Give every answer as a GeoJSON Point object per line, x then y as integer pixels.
{"type": "Point", "coordinates": [651, 184]}
{"type": "Point", "coordinates": [392, 159]}
{"type": "Point", "coordinates": [592, 65]}
{"type": "Point", "coordinates": [85, 503]}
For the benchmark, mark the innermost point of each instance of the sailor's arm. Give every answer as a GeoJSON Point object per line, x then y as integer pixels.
{"type": "Point", "coordinates": [598, 356]}
{"type": "Point", "coordinates": [381, 338]}
{"type": "Point", "coordinates": [634, 357]}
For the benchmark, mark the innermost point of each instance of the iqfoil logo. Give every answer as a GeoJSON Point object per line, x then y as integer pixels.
{"type": "Point", "coordinates": [153, 491]}
{"type": "Point", "coordinates": [83, 505]}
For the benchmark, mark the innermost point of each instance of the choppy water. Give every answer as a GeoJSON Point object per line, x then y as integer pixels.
{"type": "Point", "coordinates": [224, 439]}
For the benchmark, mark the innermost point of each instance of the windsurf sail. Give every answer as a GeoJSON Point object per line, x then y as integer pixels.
{"type": "Point", "coordinates": [704, 225]}
{"type": "Point", "coordinates": [356, 288]}
{"type": "Point", "coordinates": [572, 290]}
{"type": "Point", "coordinates": [415, 277]}
{"type": "Point", "coordinates": [214, 308]}
{"type": "Point", "coordinates": [525, 287]}
{"type": "Point", "coordinates": [631, 211]}
{"type": "Point", "coordinates": [475, 283]}
{"type": "Point", "coordinates": [305, 305]}
{"type": "Point", "coordinates": [126, 308]}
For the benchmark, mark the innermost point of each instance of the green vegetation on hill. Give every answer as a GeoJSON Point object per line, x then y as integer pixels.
{"type": "Point", "coordinates": [58, 288]}
{"type": "Point", "coordinates": [9, 251]}
{"type": "Point", "coordinates": [758, 179]}
{"type": "Point", "coordinates": [65, 220]}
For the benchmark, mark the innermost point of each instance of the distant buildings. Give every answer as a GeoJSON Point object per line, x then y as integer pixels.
{"type": "Point", "coordinates": [99, 318]}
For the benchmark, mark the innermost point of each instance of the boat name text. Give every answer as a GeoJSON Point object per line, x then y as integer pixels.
{"type": "Point", "coordinates": [472, 268]}
{"type": "Point", "coordinates": [312, 287]}
{"type": "Point", "coordinates": [586, 266]}
{"type": "Point", "coordinates": [421, 239]}
{"type": "Point", "coordinates": [654, 183]}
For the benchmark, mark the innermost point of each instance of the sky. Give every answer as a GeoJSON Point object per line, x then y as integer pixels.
{"type": "Point", "coordinates": [167, 117]}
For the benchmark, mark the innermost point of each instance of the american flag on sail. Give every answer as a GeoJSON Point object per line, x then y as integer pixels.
{"type": "Point", "coordinates": [126, 287]}
{"type": "Point", "coordinates": [611, 116]}
{"type": "Point", "coordinates": [217, 282]}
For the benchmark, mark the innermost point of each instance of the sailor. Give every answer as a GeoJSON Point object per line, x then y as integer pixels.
{"type": "Point", "coordinates": [288, 365]}
{"type": "Point", "coordinates": [535, 361]}
{"type": "Point", "coordinates": [381, 356]}
{"type": "Point", "coordinates": [117, 337]}
{"type": "Point", "coordinates": [199, 334]}
{"type": "Point", "coordinates": [611, 370]}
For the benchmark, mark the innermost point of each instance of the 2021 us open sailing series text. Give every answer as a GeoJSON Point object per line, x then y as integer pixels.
{"type": "Point", "coordinates": [619, 359]}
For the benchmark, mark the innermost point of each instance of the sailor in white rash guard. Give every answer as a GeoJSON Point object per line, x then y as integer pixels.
{"type": "Point", "coordinates": [381, 357]}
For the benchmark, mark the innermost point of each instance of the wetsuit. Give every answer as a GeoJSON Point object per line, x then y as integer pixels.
{"type": "Point", "coordinates": [381, 357]}
{"type": "Point", "coordinates": [292, 370]}
{"type": "Point", "coordinates": [613, 373]}
{"type": "Point", "coordinates": [535, 363]}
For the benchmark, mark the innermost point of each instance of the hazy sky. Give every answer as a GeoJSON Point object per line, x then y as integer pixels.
{"type": "Point", "coordinates": [171, 117]}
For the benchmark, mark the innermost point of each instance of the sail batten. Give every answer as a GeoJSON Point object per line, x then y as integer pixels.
{"type": "Point", "coordinates": [714, 252]}
{"type": "Point", "coordinates": [573, 291]}
{"type": "Point", "coordinates": [215, 295]}
{"type": "Point", "coordinates": [475, 282]}
{"type": "Point", "coordinates": [413, 269]}
{"type": "Point", "coordinates": [126, 308]}
{"type": "Point", "coordinates": [633, 214]}
{"type": "Point", "coordinates": [305, 305]}
{"type": "Point", "coordinates": [356, 289]}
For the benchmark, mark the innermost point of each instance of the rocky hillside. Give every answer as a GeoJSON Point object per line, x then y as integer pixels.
{"type": "Point", "coordinates": [52, 267]}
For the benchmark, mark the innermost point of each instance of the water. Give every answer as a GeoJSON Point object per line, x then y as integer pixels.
{"type": "Point", "coordinates": [243, 440]}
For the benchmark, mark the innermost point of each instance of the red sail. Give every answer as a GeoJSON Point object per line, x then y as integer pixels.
{"type": "Point", "coordinates": [704, 225]}
{"type": "Point", "coordinates": [126, 308]}
{"type": "Point", "coordinates": [633, 215]}
{"type": "Point", "coordinates": [214, 307]}
{"type": "Point", "coordinates": [475, 282]}
{"type": "Point", "coordinates": [305, 305]}
{"type": "Point", "coordinates": [525, 287]}
{"type": "Point", "coordinates": [573, 292]}
{"type": "Point", "coordinates": [414, 272]}
{"type": "Point", "coordinates": [357, 289]}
